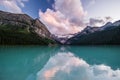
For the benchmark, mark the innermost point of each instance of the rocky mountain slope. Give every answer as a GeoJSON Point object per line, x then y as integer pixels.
{"type": "Point", "coordinates": [22, 29]}
{"type": "Point", "coordinates": [107, 34]}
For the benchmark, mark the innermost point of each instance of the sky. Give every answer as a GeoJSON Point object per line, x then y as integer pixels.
{"type": "Point", "coordinates": [63, 17]}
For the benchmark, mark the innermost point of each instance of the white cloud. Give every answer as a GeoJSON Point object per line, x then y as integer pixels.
{"type": "Point", "coordinates": [65, 66]}
{"type": "Point", "coordinates": [67, 17]}
{"type": "Point", "coordinates": [13, 5]}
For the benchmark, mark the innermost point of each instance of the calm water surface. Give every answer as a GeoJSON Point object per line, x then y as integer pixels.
{"type": "Point", "coordinates": [59, 63]}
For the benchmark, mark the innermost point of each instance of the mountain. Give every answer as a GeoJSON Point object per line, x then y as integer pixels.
{"type": "Point", "coordinates": [22, 29]}
{"type": "Point", "coordinates": [107, 25]}
{"type": "Point", "coordinates": [61, 39]}
{"type": "Point", "coordinates": [107, 34]}
{"type": "Point", "coordinates": [89, 30]}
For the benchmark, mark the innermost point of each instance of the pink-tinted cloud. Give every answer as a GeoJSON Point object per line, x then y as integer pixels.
{"type": "Point", "coordinates": [67, 18]}
{"type": "Point", "coordinates": [50, 73]}
{"type": "Point", "coordinates": [66, 66]}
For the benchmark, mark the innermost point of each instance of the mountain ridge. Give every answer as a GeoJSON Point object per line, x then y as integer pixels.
{"type": "Point", "coordinates": [107, 34]}
{"type": "Point", "coordinates": [22, 29]}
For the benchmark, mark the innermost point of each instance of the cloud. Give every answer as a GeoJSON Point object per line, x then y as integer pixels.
{"type": "Point", "coordinates": [65, 66]}
{"type": "Point", "coordinates": [13, 5]}
{"type": "Point", "coordinates": [97, 22]}
{"type": "Point", "coordinates": [66, 18]}
{"type": "Point", "coordinates": [108, 19]}
{"type": "Point", "coordinates": [91, 2]}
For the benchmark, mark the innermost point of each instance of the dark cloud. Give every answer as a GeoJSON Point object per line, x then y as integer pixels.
{"type": "Point", "coordinates": [97, 22]}
{"type": "Point", "coordinates": [108, 18]}
{"type": "Point", "coordinates": [94, 22]}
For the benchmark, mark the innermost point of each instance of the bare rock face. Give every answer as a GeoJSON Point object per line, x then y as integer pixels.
{"type": "Point", "coordinates": [41, 29]}
{"type": "Point", "coordinates": [23, 23]}
{"type": "Point", "coordinates": [14, 19]}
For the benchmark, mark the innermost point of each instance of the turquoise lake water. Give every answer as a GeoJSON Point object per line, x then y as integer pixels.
{"type": "Point", "coordinates": [59, 63]}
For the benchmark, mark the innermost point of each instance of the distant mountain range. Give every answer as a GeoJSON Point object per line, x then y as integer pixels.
{"type": "Point", "coordinates": [107, 34]}
{"type": "Point", "coordinates": [22, 29]}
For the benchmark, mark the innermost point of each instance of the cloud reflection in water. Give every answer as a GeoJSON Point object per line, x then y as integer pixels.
{"type": "Point", "coordinates": [66, 66]}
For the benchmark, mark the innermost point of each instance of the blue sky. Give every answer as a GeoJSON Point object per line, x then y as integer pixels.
{"type": "Point", "coordinates": [66, 16]}
{"type": "Point", "coordinates": [32, 7]}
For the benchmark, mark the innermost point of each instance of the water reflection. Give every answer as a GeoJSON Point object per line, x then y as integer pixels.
{"type": "Point", "coordinates": [59, 63]}
{"type": "Point", "coordinates": [23, 62]}
{"type": "Point", "coordinates": [66, 66]}
{"type": "Point", "coordinates": [108, 55]}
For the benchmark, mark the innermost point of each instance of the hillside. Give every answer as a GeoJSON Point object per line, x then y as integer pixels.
{"type": "Point", "coordinates": [108, 34]}
{"type": "Point", "coordinates": [22, 29]}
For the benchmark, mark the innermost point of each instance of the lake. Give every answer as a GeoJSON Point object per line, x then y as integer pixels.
{"type": "Point", "coordinates": [60, 63]}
